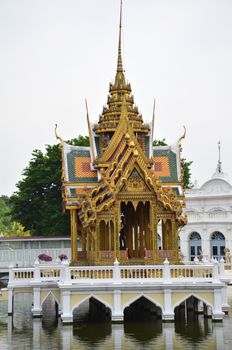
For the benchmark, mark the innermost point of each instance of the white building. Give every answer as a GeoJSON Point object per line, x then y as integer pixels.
{"type": "Point", "coordinates": [209, 228]}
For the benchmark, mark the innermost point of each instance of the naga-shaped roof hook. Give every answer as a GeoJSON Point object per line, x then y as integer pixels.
{"type": "Point", "coordinates": [57, 136]}
{"type": "Point", "coordinates": [182, 137]}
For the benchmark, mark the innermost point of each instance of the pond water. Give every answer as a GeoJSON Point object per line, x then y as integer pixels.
{"type": "Point", "coordinates": [21, 331]}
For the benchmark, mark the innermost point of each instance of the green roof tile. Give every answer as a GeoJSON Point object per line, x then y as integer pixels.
{"type": "Point", "coordinates": [172, 163]}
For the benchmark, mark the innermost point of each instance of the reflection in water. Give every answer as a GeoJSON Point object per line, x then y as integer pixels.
{"type": "Point", "coordinates": [143, 332]}
{"type": "Point", "coordinates": [23, 332]}
{"type": "Point", "coordinates": [92, 334]}
{"type": "Point", "coordinates": [194, 331]}
{"type": "Point", "coordinates": [91, 323]}
{"type": "Point", "coordinates": [50, 314]}
{"type": "Point", "coordinates": [192, 321]}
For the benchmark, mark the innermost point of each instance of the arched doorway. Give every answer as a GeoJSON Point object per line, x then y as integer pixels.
{"type": "Point", "coordinates": [217, 245]}
{"type": "Point", "coordinates": [106, 235]}
{"type": "Point", "coordinates": [194, 245]}
{"type": "Point", "coordinates": [135, 233]}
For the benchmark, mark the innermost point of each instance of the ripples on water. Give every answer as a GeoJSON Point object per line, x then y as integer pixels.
{"type": "Point", "coordinates": [23, 332]}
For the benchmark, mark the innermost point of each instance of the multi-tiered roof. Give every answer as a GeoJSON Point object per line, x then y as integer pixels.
{"type": "Point", "coordinates": [121, 159]}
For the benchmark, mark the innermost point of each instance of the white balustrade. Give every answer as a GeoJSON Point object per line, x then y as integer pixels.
{"type": "Point", "coordinates": [166, 273]}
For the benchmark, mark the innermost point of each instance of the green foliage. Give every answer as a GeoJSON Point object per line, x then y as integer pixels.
{"type": "Point", "coordinates": [37, 204]}
{"type": "Point", "coordinates": [5, 217]}
{"type": "Point", "coordinates": [80, 141]}
{"type": "Point", "coordinates": [186, 165]}
{"type": "Point", "coordinates": [186, 173]}
{"type": "Point", "coordinates": [8, 227]}
{"type": "Point", "coordinates": [159, 142]}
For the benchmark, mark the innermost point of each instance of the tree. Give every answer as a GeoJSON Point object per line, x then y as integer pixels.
{"type": "Point", "coordinates": [37, 203]}
{"type": "Point", "coordinates": [5, 218]}
{"type": "Point", "coordinates": [159, 142]}
{"type": "Point", "coordinates": [184, 163]}
{"type": "Point", "coordinates": [187, 183]}
{"type": "Point", "coordinates": [8, 227]}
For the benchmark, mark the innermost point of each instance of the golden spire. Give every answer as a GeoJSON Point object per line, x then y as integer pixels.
{"type": "Point", "coordinates": [119, 91]}
{"type": "Point", "coordinates": [90, 133]}
{"type": "Point", "coordinates": [153, 122]}
{"type": "Point", "coordinates": [119, 65]}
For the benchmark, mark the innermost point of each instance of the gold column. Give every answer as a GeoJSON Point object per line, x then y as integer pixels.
{"type": "Point", "coordinates": [153, 231]}
{"type": "Point", "coordinates": [145, 224]}
{"type": "Point", "coordinates": [141, 230]}
{"type": "Point", "coordinates": [106, 235]}
{"type": "Point", "coordinates": [83, 240]}
{"type": "Point", "coordinates": [155, 237]}
{"type": "Point", "coordinates": [130, 223]}
{"type": "Point", "coordinates": [97, 242]}
{"type": "Point", "coordinates": [117, 219]}
{"type": "Point", "coordinates": [174, 236]}
{"type": "Point", "coordinates": [74, 227]}
{"type": "Point", "coordinates": [109, 235]}
{"type": "Point", "coordinates": [112, 235]}
{"type": "Point", "coordinates": [148, 225]}
{"type": "Point", "coordinates": [87, 244]}
{"type": "Point", "coordinates": [136, 235]}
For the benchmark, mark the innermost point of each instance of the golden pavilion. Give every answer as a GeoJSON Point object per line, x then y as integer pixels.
{"type": "Point", "coordinates": [125, 196]}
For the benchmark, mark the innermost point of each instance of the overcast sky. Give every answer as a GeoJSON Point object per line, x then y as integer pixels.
{"type": "Point", "coordinates": [56, 53]}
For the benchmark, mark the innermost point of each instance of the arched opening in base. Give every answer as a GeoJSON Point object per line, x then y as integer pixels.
{"type": "Point", "coordinates": [50, 311]}
{"type": "Point", "coordinates": [191, 308]}
{"type": "Point", "coordinates": [92, 310]}
{"type": "Point", "coordinates": [193, 320]}
{"type": "Point", "coordinates": [142, 310]}
{"type": "Point", "coordinates": [91, 322]}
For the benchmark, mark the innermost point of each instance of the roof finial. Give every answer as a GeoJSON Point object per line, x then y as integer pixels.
{"type": "Point", "coordinates": [182, 138]}
{"type": "Point", "coordinates": [119, 65]}
{"type": "Point", "coordinates": [90, 133]}
{"type": "Point", "coordinates": [153, 122]}
{"type": "Point", "coordinates": [219, 165]}
{"type": "Point", "coordinates": [57, 136]}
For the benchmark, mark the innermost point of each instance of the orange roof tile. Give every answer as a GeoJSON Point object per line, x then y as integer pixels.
{"type": "Point", "coordinates": [82, 167]}
{"type": "Point", "coordinates": [162, 166]}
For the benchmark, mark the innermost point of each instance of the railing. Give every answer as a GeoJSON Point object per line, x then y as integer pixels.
{"type": "Point", "coordinates": [196, 272]}
{"type": "Point", "coordinates": [86, 272]}
{"type": "Point", "coordinates": [23, 274]}
{"type": "Point", "coordinates": [141, 272]}
{"type": "Point", "coordinates": [63, 273]}
{"type": "Point", "coordinates": [53, 274]}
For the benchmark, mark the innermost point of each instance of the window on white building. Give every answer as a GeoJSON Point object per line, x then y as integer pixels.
{"type": "Point", "coordinates": [194, 245]}
{"type": "Point", "coordinates": [217, 245]}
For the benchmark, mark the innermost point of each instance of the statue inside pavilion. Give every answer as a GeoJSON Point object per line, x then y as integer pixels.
{"type": "Point", "coordinates": [125, 196]}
